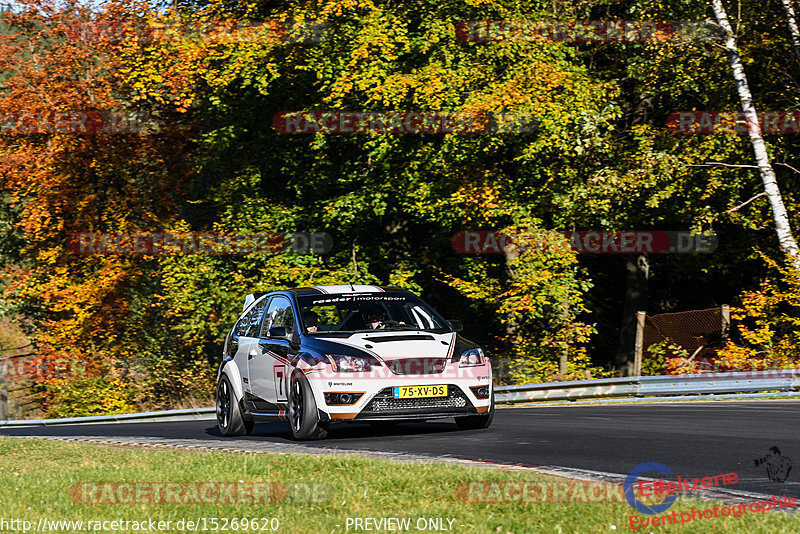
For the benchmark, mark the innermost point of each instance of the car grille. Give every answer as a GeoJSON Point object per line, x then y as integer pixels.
{"type": "Point", "coordinates": [417, 366]}
{"type": "Point", "coordinates": [384, 403]}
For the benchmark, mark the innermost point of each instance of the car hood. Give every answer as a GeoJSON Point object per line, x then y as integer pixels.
{"type": "Point", "coordinates": [393, 345]}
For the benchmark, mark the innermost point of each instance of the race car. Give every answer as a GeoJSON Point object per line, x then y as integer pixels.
{"type": "Point", "coordinates": [348, 353]}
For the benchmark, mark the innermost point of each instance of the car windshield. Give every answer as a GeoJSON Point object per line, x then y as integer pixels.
{"type": "Point", "coordinates": [367, 312]}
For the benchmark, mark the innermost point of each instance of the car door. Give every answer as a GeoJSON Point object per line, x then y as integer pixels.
{"type": "Point", "coordinates": [269, 367]}
{"type": "Point", "coordinates": [245, 337]}
{"type": "Point", "coordinates": [237, 346]}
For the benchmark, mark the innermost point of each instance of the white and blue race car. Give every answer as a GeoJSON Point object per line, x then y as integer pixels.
{"type": "Point", "coordinates": [348, 353]}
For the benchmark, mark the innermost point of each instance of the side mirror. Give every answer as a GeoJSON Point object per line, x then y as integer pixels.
{"type": "Point", "coordinates": [277, 331]}
{"type": "Point", "coordinates": [455, 325]}
{"type": "Point", "coordinates": [294, 338]}
{"type": "Point", "coordinates": [232, 345]}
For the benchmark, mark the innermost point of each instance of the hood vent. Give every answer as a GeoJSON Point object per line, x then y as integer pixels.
{"type": "Point", "coordinates": [411, 337]}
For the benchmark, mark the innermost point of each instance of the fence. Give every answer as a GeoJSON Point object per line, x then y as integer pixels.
{"type": "Point", "coordinates": [17, 397]}
{"type": "Point", "coordinates": [699, 332]}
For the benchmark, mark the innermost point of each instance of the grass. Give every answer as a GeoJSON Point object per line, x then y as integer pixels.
{"type": "Point", "coordinates": [36, 476]}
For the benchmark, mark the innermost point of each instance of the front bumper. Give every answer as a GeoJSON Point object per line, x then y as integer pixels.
{"type": "Point", "coordinates": [376, 401]}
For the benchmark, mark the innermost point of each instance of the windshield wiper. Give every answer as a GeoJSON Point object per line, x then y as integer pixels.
{"type": "Point", "coordinates": [389, 327]}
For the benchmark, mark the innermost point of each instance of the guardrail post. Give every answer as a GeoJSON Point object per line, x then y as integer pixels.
{"type": "Point", "coordinates": [637, 355]}
{"type": "Point", "coordinates": [562, 361]}
{"type": "Point", "coordinates": [725, 312]}
{"type": "Point", "coordinates": [3, 405]}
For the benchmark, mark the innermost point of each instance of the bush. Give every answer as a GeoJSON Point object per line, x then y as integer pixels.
{"type": "Point", "coordinates": [767, 324]}
{"type": "Point", "coordinates": [88, 396]}
{"type": "Point", "coordinates": [766, 333]}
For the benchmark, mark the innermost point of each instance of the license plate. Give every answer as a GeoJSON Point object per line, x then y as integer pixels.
{"type": "Point", "coordinates": [418, 392]}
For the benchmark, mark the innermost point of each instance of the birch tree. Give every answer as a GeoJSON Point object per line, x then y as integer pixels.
{"type": "Point", "coordinates": [790, 18]}
{"type": "Point", "coordinates": [782, 226]}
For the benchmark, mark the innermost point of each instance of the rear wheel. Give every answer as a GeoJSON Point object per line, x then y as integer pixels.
{"type": "Point", "coordinates": [303, 414]}
{"type": "Point", "coordinates": [229, 415]}
{"type": "Point", "coordinates": [474, 422]}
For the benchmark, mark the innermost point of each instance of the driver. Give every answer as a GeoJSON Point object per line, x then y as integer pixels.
{"type": "Point", "coordinates": [311, 320]}
{"type": "Point", "coordinates": [374, 317]}
{"type": "Point", "coordinates": [377, 320]}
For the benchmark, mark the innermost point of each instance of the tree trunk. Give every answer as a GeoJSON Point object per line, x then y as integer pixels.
{"type": "Point", "coordinates": [782, 226]}
{"type": "Point", "coordinates": [637, 272]}
{"type": "Point", "coordinates": [787, 5]}
{"type": "Point", "coordinates": [512, 325]}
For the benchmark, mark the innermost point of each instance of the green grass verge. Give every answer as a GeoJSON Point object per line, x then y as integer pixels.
{"type": "Point", "coordinates": [36, 477]}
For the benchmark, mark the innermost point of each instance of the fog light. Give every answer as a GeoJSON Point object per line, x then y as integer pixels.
{"type": "Point", "coordinates": [338, 399]}
{"type": "Point", "coordinates": [481, 392]}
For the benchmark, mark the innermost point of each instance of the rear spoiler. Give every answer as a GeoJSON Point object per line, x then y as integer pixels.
{"type": "Point", "coordinates": [250, 298]}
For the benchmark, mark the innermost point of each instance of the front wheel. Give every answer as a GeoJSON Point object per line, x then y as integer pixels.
{"type": "Point", "coordinates": [229, 416]}
{"type": "Point", "coordinates": [303, 414]}
{"type": "Point", "coordinates": [474, 422]}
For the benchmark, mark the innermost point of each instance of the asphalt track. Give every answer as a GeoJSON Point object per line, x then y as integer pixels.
{"type": "Point", "coordinates": [694, 439]}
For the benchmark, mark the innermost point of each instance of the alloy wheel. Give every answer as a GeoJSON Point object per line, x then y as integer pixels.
{"type": "Point", "coordinates": [223, 404]}
{"type": "Point", "coordinates": [297, 403]}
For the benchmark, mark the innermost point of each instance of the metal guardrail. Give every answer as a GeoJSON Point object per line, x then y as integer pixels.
{"type": "Point", "coordinates": [189, 414]}
{"type": "Point", "coordinates": [638, 387]}
{"type": "Point", "coordinates": [653, 386]}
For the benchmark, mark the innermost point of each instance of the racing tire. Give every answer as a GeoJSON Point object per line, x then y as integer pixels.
{"type": "Point", "coordinates": [475, 422]}
{"type": "Point", "coordinates": [303, 414]}
{"type": "Point", "coordinates": [230, 420]}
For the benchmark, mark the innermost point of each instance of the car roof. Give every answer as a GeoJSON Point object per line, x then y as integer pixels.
{"type": "Point", "coordinates": [323, 290]}
{"type": "Point", "coordinates": [344, 288]}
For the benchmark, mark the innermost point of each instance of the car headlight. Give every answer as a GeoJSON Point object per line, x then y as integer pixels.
{"type": "Point", "coordinates": [349, 364]}
{"type": "Point", "coordinates": [471, 357]}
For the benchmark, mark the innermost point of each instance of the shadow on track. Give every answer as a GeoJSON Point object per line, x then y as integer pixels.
{"type": "Point", "coordinates": [277, 431]}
